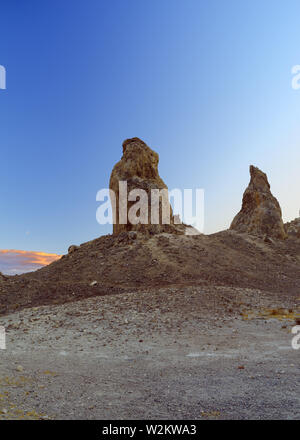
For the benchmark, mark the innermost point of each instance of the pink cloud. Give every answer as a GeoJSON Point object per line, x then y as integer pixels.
{"type": "Point", "coordinates": [14, 261]}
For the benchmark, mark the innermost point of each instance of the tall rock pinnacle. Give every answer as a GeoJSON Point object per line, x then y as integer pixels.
{"type": "Point", "coordinates": [261, 212]}
{"type": "Point", "coordinates": [138, 167]}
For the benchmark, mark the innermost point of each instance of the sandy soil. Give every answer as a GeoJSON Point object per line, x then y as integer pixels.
{"type": "Point", "coordinates": [187, 352]}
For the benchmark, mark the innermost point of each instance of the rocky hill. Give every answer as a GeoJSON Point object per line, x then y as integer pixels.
{"type": "Point", "coordinates": [115, 264]}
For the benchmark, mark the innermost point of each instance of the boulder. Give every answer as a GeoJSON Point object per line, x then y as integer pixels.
{"type": "Point", "coordinates": [72, 248]}
{"type": "Point", "coordinates": [260, 213]}
{"type": "Point", "coordinates": [2, 277]}
{"type": "Point", "coordinates": [293, 228]}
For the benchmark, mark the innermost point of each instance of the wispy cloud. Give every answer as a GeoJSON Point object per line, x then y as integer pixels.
{"type": "Point", "coordinates": [14, 262]}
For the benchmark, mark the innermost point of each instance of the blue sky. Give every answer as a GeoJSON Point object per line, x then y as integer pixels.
{"type": "Point", "coordinates": [207, 84]}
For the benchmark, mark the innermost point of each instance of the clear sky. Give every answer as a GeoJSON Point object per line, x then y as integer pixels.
{"type": "Point", "coordinates": [207, 84]}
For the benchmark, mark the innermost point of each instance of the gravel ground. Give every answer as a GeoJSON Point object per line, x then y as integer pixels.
{"type": "Point", "coordinates": [172, 353]}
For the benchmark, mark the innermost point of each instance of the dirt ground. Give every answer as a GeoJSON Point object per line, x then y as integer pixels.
{"type": "Point", "coordinates": [188, 352]}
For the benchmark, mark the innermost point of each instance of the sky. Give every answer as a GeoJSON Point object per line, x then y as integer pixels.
{"type": "Point", "coordinates": [206, 84]}
{"type": "Point", "coordinates": [14, 262]}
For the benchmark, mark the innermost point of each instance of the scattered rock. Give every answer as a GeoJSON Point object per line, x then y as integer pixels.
{"type": "Point", "coordinates": [72, 248]}
{"type": "Point", "coordinates": [268, 239]}
{"type": "Point", "coordinates": [132, 235]}
{"type": "Point", "coordinates": [2, 277]}
{"type": "Point", "coordinates": [293, 228]}
{"type": "Point", "coordinates": [93, 283]}
{"type": "Point", "coordinates": [261, 212]}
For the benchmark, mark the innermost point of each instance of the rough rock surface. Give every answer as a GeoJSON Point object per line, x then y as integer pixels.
{"type": "Point", "coordinates": [260, 213]}
{"type": "Point", "coordinates": [293, 228]}
{"type": "Point", "coordinates": [139, 168]}
{"type": "Point", "coordinates": [72, 248]}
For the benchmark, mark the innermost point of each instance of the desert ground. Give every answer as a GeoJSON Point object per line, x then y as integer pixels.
{"type": "Point", "coordinates": [203, 341]}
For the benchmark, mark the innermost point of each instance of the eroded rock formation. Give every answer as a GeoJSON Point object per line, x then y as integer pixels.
{"type": "Point", "coordinates": [260, 213]}
{"type": "Point", "coordinates": [293, 228]}
{"type": "Point", "coordinates": [138, 167]}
